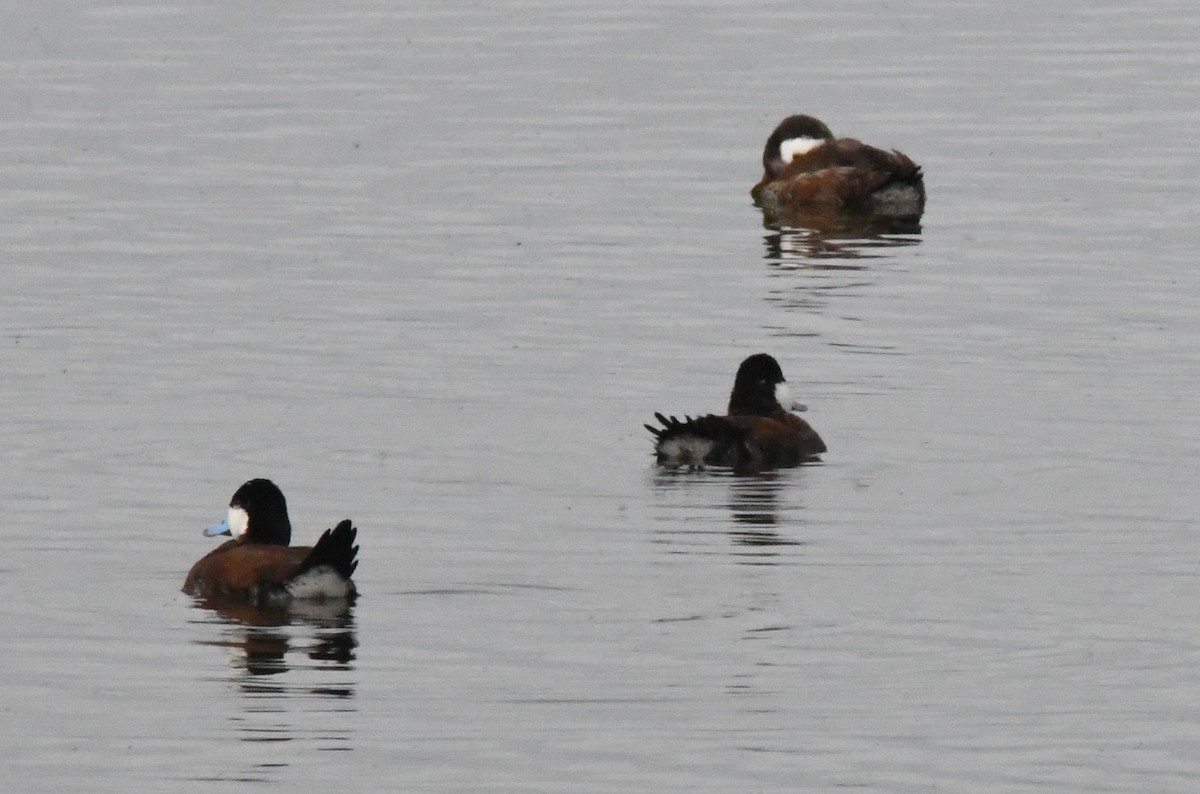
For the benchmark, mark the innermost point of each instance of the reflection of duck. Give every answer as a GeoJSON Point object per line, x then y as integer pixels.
{"type": "Point", "coordinates": [757, 434]}
{"type": "Point", "coordinates": [754, 505]}
{"type": "Point", "coordinates": [791, 246]}
{"type": "Point", "coordinates": [266, 635]}
{"type": "Point", "coordinates": [260, 568]}
{"type": "Point", "coordinates": [808, 174]}
{"type": "Point", "coordinates": [327, 613]}
{"type": "Point", "coordinates": [813, 249]}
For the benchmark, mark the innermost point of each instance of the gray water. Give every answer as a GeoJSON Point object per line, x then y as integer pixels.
{"type": "Point", "coordinates": [431, 266]}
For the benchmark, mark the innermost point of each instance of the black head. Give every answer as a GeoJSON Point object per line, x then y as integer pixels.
{"type": "Point", "coordinates": [257, 514]}
{"type": "Point", "coordinates": [799, 133]}
{"type": "Point", "coordinates": [758, 387]}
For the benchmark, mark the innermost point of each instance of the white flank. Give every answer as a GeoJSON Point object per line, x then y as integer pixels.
{"type": "Point", "coordinates": [686, 451]}
{"type": "Point", "coordinates": [319, 583]}
{"type": "Point", "coordinates": [238, 522]}
{"type": "Point", "coordinates": [794, 147]}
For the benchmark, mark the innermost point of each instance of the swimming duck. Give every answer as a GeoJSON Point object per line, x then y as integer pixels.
{"type": "Point", "coordinates": [758, 433]}
{"type": "Point", "coordinates": [805, 168]}
{"type": "Point", "coordinates": [258, 566]}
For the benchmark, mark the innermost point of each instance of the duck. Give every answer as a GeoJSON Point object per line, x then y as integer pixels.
{"type": "Point", "coordinates": [757, 433]}
{"type": "Point", "coordinates": [260, 567]}
{"type": "Point", "coordinates": [807, 169]}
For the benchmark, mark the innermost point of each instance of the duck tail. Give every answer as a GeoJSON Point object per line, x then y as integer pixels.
{"type": "Point", "coordinates": [900, 192]}
{"type": "Point", "coordinates": [697, 441]}
{"type": "Point", "coordinates": [334, 553]}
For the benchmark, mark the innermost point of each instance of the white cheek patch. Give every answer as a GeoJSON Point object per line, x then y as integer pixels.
{"type": "Point", "coordinates": [783, 396]}
{"type": "Point", "coordinates": [238, 522]}
{"type": "Point", "coordinates": [794, 147]}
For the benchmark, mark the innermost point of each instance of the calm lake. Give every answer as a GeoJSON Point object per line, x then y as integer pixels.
{"type": "Point", "coordinates": [430, 266]}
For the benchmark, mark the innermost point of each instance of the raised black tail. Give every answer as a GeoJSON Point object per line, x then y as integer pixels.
{"type": "Point", "coordinates": [699, 441]}
{"type": "Point", "coordinates": [335, 549]}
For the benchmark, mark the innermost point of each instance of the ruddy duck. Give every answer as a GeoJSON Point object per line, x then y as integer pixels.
{"type": "Point", "coordinates": [258, 566]}
{"type": "Point", "coordinates": [757, 434]}
{"type": "Point", "coordinates": [806, 168]}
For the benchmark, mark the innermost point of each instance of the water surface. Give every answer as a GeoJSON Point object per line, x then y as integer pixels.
{"type": "Point", "coordinates": [432, 267]}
